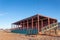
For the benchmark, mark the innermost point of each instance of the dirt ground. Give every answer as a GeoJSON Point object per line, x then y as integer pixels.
{"type": "Point", "coordinates": [13, 36]}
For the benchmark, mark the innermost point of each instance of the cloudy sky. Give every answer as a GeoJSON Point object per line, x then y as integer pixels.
{"type": "Point", "coordinates": [14, 10]}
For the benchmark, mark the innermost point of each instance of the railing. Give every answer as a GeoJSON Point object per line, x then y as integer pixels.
{"type": "Point", "coordinates": [47, 28]}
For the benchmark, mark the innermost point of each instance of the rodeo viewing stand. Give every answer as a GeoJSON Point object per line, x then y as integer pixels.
{"type": "Point", "coordinates": [35, 25]}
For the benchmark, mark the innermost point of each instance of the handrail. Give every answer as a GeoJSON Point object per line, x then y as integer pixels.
{"type": "Point", "coordinates": [46, 28]}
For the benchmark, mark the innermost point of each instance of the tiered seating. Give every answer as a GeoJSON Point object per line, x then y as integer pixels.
{"type": "Point", "coordinates": [32, 31]}
{"type": "Point", "coordinates": [25, 31]}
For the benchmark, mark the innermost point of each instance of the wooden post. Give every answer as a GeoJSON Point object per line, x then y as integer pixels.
{"type": "Point", "coordinates": [38, 23]}
{"type": "Point", "coordinates": [49, 22]}
{"type": "Point", "coordinates": [41, 23]}
{"type": "Point", "coordinates": [27, 24]}
{"type": "Point", "coordinates": [49, 25]}
{"type": "Point", "coordinates": [32, 23]}
{"type": "Point", "coordinates": [23, 25]}
{"type": "Point", "coordinates": [15, 26]}
{"type": "Point", "coordinates": [55, 28]}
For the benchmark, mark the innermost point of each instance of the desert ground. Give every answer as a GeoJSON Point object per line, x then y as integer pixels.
{"type": "Point", "coordinates": [14, 36]}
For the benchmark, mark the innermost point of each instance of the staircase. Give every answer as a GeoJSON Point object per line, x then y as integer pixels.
{"type": "Point", "coordinates": [47, 28]}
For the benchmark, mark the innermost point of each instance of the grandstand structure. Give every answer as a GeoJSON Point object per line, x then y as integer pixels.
{"type": "Point", "coordinates": [35, 24]}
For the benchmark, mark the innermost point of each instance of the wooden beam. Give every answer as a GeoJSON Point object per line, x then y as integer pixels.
{"type": "Point", "coordinates": [49, 25]}
{"type": "Point", "coordinates": [27, 24]}
{"type": "Point", "coordinates": [38, 23]}
{"type": "Point", "coordinates": [49, 22]}
{"type": "Point", "coordinates": [23, 24]}
{"type": "Point", "coordinates": [55, 28]}
{"type": "Point", "coordinates": [41, 23]}
{"type": "Point", "coordinates": [32, 23]}
{"type": "Point", "coordinates": [43, 19]}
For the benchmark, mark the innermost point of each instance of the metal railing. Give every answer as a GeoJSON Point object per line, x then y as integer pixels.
{"type": "Point", "coordinates": [47, 28]}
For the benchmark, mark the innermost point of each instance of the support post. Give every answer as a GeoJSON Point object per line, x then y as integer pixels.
{"type": "Point", "coordinates": [27, 24]}
{"type": "Point", "coordinates": [36, 25]}
{"type": "Point", "coordinates": [49, 22]}
{"type": "Point", "coordinates": [41, 23]}
{"type": "Point", "coordinates": [49, 25]}
{"type": "Point", "coordinates": [38, 22]}
{"type": "Point", "coordinates": [23, 25]}
{"type": "Point", "coordinates": [55, 28]}
{"type": "Point", "coordinates": [32, 23]}
{"type": "Point", "coordinates": [20, 26]}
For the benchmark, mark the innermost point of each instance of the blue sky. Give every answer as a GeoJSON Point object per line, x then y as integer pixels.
{"type": "Point", "coordinates": [14, 10]}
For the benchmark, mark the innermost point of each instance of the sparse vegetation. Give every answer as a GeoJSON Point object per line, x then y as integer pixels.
{"type": "Point", "coordinates": [13, 36]}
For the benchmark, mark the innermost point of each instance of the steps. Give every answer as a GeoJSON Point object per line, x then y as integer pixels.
{"type": "Point", "coordinates": [47, 28]}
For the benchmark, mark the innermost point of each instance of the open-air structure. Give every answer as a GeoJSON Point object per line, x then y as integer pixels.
{"type": "Point", "coordinates": [35, 24]}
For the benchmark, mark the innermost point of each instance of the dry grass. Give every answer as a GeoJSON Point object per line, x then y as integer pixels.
{"type": "Point", "coordinates": [12, 36]}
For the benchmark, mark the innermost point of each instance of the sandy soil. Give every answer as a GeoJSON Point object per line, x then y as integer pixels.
{"type": "Point", "coordinates": [13, 36]}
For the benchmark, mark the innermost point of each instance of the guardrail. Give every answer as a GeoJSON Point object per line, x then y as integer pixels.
{"type": "Point", "coordinates": [47, 28]}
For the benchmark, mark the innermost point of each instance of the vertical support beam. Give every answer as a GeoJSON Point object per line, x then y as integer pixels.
{"type": "Point", "coordinates": [41, 23]}
{"type": "Point", "coordinates": [32, 23]}
{"type": "Point", "coordinates": [14, 26]}
{"type": "Point", "coordinates": [38, 23]}
{"type": "Point", "coordinates": [23, 25]}
{"type": "Point", "coordinates": [55, 28]}
{"type": "Point", "coordinates": [49, 25]}
{"type": "Point", "coordinates": [27, 24]}
{"type": "Point", "coordinates": [49, 22]}
{"type": "Point", "coordinates": [19, 25]}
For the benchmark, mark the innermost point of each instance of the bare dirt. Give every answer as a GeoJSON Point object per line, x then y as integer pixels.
{"type": "Point", "coordinates": [13, 36]}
